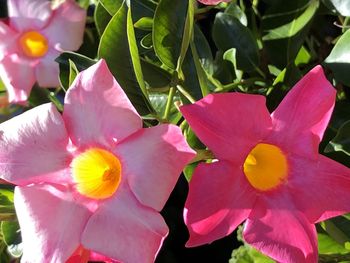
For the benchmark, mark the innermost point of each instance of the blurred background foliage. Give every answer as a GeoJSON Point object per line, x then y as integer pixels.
{"type": "Point", "coordinates": [170, 52]}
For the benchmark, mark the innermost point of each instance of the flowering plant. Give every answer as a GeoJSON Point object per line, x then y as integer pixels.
{"type": "Point", "coordinates": [174, 131]}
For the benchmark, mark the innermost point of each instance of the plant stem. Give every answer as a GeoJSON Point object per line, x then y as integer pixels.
{"type": "Point", "coordinates": [169, 103]}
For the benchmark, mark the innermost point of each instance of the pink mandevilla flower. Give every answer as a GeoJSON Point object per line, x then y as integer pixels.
{"type": "Point", "coordinates": [212, 2]}
{"type": "Point", "coordinates": [92, 179]}
{"type": "Point", "coordinates": [268, 172]}
{"type": "Point", "coordinates": [34, 36]}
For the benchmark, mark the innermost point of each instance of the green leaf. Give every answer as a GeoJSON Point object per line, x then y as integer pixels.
{"type": "Point", "coordinates": [155, 76]}
{"type": "Point", "coordinates": [7, 209]}
{"type": "Point", "coordinates": [339, 59]}
{"type": "Point", "coordinates": [234, 10]}
{"type": "Point", "coordinates": [228, 32]}
{"type": "Point", "coordinates": [342, 6]}
{"type": "Point", "coordinates": [112, 6]}
{"type": "Point", "coordinates": [327, 245]}
{"type": "Point", "coordinates": [11, 232]}
{"type": "Point", "coordinates": [144, 23]}
{"type": "Point", "coordinates": [341, 142]}
{"type": "Point", "coordinates": [287, 24]}
{"type": "Point", "coordinates": [118, 47]}
{"type": "Point", "coordinates": [247, 254]}
{"type": "Point", "coordinates": [172, 29]}
{"type": "Point", "coordinates": [102, 18]}
{"type": "Point", "coordinates": [64, 59]}
{"type": "Point", "coordinates": [296, 25]}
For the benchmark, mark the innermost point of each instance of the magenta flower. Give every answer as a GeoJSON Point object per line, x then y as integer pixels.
{"type": "Point", "coordinates": [94, 178]}
{"type": "Point", "coordinates": [268, 172]}
{"type": "Point", "coordinates": [212, 2]}
{"type": "Point", "coordinates": [35, 35]}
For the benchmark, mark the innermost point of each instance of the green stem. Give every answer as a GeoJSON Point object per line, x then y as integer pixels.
{"type": "Point", "coordinates": [169, 103]}
{"type": "Point", "coordinates": [186, 94]}
{"type": "Point", "coordinates": [202, 155]}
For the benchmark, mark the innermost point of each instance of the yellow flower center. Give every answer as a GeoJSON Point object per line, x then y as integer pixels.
{"type": "Point", "coordinates": [97, 173]}
{"type": "Point", "coordinates": [265, 167]}
{"type": "Point", "coordinates": [33, 44]}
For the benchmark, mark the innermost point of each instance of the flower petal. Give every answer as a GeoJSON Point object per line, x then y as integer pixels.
{"type": "Point", "coordinates": [51, 222]}
{"type": "Point", "coordinates": [8, 40]}
{"type": "Point", "coordinates": [230, 124]}
{"type": "Point", "coordinates": [154, 155]}
{"type": "Point", "coordinates": [47, 70]}
{"type": "Point", "coordinates": [18, 77]}
{"type": "Point", "coordinates": [66, 27]}
{"type": "Point", "coordinates": [28, 14]}
{"type": "Point", "coordinates": [28, 139]}
{"type": "Point", "coordinates": [302, 117]}
{"type": "Point", "coordinates": [127, 231]}
{"type": "Point", "coordinates": [219, 199]}
{"type": "Point", "coordinates": [321, 188]}
{"type": "Point", "coordinates": [278, 230]}
{"type": "Point", "coordinates": [97, 111]}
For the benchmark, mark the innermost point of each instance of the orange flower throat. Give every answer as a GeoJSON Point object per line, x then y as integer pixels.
{"type": "Point", "coordinates": [265, 167]}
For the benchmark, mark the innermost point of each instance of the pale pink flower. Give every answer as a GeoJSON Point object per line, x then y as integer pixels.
{"type": "Point", "coordinates": [212, 2]}
{"type": "Point", "coordinates": [35, 35]}
{"type": "Point", "coordinates": [269, 173]}
{"type": "Point", "coordinates": [92, 178]}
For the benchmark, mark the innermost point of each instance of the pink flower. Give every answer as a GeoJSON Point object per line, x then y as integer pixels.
{"type": "Point", "coordinates": [35, 35]}
{"type": "Point", "coordinates": [268, 172]}
{"type": "Point", "coordinates": [212, 2]}
{"type": "Point", "coordinates": [92, 178]}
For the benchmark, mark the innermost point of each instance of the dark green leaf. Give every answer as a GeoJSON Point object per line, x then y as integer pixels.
{"type": "Point", "coordinates": [339, 59]}
{"type": "Point", "coordinates": [11, 232]}
{"type": "Point", "coordinates": [102, 18]}
{"type": "Point", "coordinates": [341, 142]}
{"type": "Point", "coordinates": [112, 6]}
{"type": "Point", "coordinates": [118, 48]}
{"type": "Point", "coordinates": [81, 62]}
{"type": "Point", "coordinates": [342, 6]}
{"type": "Point", "coordinates": [228, 32]}
{"type": "Point", "coordinates": [172, 29]}
{"type": "Point", "coordinates": [155, 76]}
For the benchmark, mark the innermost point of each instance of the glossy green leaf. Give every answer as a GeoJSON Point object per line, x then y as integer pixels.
{"type": "Point", "coordinates": [296, 25]}
{"type": "Point", "coordinates": [7, 209]}
{"type": "Point", "coordinates": [327, 245]}
{"type": "Point", "coordinates": [145, 23]}
{"type": "Point", "coordinates": [341, 6]}
{"type": "Point", "coordinates": [102, 18]}
{"type": "Point", "coordinates": [339, 59]}
{"type": "Point", "coordinates": [287, 24]}
{"type": "Point", "coordinates": [118, 47]}
{"type": "Point", "coordinates": [228, 32]}
{"type": "Point", "coordinates": [341, 142]}
{"type": "Point", "coordinates": [172, 29]}
{"type": "Point", "coordinates": [247, 254]}
{"type": "Point", "coordinates": [155, 76]}
{"type": "Point", "coordinates": [234, 10]}
{"type": "Point", "coordinates": [81, 62]}
{"type": "Point", "coordinates": [112, 6]}
{"type": "Point", "coordinates": [11, 232]}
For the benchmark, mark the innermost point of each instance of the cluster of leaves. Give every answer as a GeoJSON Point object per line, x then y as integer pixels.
{"type": "Point", "coordinates": [165, 53]}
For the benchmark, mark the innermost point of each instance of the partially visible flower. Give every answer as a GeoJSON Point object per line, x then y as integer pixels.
{"type": "Point", "coordinates": [93, 179]}
{"type": "Point", "coordinates": [212, 2]}
{"type": "Point", "coordinates": [34, 36]}
{"type": "Point", "coordinates": [268, 172]}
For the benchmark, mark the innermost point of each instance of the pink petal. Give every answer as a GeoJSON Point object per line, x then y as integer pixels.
{"type": "Point", "coordinates": [66, 27]}
{"type": "Point", "coordinates": [303, 115]}
{"type": "Point", "coordinates": [28, 14]}
{"type": "Point", "coordinates": [51, 222]}
{"type": "Point", "coordinates": [230, 124]}
{"type": "Point", "coordinates": [213, 2]}
{"type": "Point", "coordinates": [47, 71]}
{"type": "Point", "coordinates": [278, 230]}
{"type": "Point", "coordinates": [151, 156]}
{"type": "Point", "coordinates": [97, 111]}
{"type": "Point", "coordinates": [8, 40]}
{"type": "Point", "coordinates": [320, 188]}
{"type": "Point", "coordinates": [34, 144]}
{"type": "Point", "coordinates": [18, 76]}
{"type": "Point", "coordinates": [125, 230]}
{"type": "Point", "coordinates": [219, 199]}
